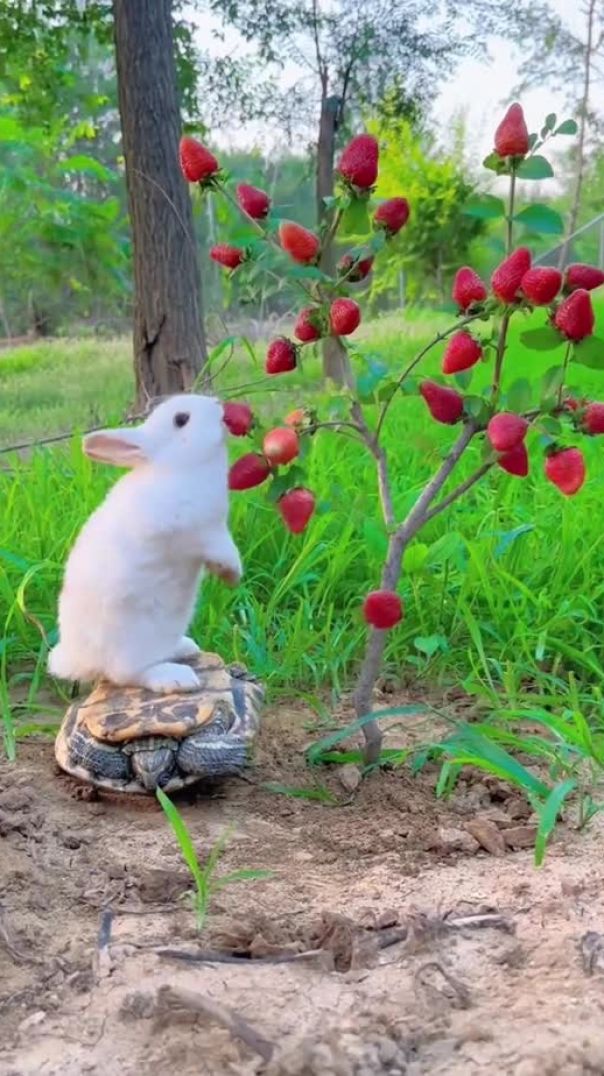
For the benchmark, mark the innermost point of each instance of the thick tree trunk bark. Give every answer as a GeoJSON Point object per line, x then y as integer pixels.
{"type": "Point", "coordinates": [336, 366]}
{"type": "Point", "coordinates": [169, 340]}
{"type": "Point", "coordinates": [583, 116]}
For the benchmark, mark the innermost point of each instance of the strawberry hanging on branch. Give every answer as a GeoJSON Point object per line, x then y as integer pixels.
{"type": "Point", "coordinates": [511, 428]}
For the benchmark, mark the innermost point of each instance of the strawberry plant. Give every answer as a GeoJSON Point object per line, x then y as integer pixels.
{"type": "Point", "coordinates": [512, 427]}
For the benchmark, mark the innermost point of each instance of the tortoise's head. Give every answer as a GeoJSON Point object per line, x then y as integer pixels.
{"type": "Point", "coordinates": [181, 432]}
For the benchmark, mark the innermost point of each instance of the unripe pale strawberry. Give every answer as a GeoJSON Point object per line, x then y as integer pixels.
{"type": "Point", "coordinates": [301, 245]}
{"type": "Point", "coordinates": [565, 467]}
{"type": "Point", "coordinates": [383, 609]}
{"type": "Point", "coordinates": [282, 356]}
{"type": "Point", "coordinates": [515, 461]}
{"type": "Point", "coordinates": [444, 404]}
{"type": "Point", "coordinates": [359, 162]}
{"type": "Point", "coordinates": [392, 215]}
{"type": "Point", "coordinates": [587, 277]}
{"type": "Point", "coordinates": [309, 325]}
{"type": "Point", "coordinates": [541, 285]}
{"type": "Point", "coordinates": [575, 316]}
{"type": "Point", "coordinates": [296, 418]}
{"type": "Point", "coordinates": [512, 137]}
{"type": "Point", "coordinates": [249, 471]}
{"type": "Point", "coordinates": [344, 317]}
{"type": "Point", "coordinates": [507, 278]}
{"type": "Point", "coordinates": [296, 508]}
{"type": "Point", "coordinates": [506, 430]}
{"type": "Point", "coordinates": [227, 256]}
{"type": "Point", "coordinates": [468, 288]}
{"type": "Point", "coordinates": [462, 352]}
{"type": "Point", "coordinates": [196, 162]}
{"type": "Point", "coordinates": [238, 418]}
{"type": "Point", "coordinates": [593, 419]}
{"type": "Point", "coordinates": [281, 446]}
{"type": "Point", "coordinates": [253, 201]}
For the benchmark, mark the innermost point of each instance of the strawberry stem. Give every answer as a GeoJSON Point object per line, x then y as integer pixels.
{"type": "Point", "coordinates": [510, 216]}
{"type": "Point", "coordinates": [567, 356]}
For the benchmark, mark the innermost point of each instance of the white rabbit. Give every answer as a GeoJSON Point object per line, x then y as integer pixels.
{"type": "Point", "coordinates": [132, 576]}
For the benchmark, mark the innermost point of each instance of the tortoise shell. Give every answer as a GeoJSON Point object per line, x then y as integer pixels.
{"type": "Point", "coordinates": [129, 739]}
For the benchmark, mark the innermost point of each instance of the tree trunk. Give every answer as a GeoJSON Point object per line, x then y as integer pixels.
{"type": "Point", "coordinates": [336, 366]}
{"type": "Point", "coordinates": [583, 114]}
{"type": "Point", "coordinates": [169, 339]}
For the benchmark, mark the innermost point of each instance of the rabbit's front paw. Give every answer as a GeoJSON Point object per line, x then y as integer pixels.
{"type": "Point", "coordinates": [186, 650]}
{"type": "Point", "coordinates": [167, 677]}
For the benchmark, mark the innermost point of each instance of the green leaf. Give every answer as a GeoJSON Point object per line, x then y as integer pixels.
{"type": "Point", "coordinates": [568, 127]}
{"type": "Point", "coordinates": [544, 339]}
{"type": "Point", "coordinates": [430, 644]}
{"type": "Point", "coordinates": [490, 753]}
{"type": "Point", "coordinates": [376, 539]}
{"type": "Point", "coordinates": [484, 207]}
{"type": "Point", "coordinates": [477, 408]}
{"type": "Point", "coordinates": [551, 426]}
{"type": "Point", "coordinates": [368, 381]}
{"type": "Point", "coordinates": [541, 218]}
{"type": "Point", "coordinates": [551, 382]}
{"type": "Point", "coordinates": [536, 167]}
{"type": "Point", "coordinates": [88, 165]}
{"type": "Point", "coordinates": [183, 837]}
{"type": "Point", "coordinates": [550, 121]}
{"type": "Point", "coordinates": [590, 352]}
{"type": "Point", "coordinates": [495, 163]}
{"type": "Point", "coordinates": [464, 379]}
{"type": "Point", "coordinates": [306, 272]}
{"type": "Point", "coordinates": [355, 220]}
{"type": "Point", "coordinates": [548, 816]}
{"type": "Point", "coordinates": [448, 547]}
{"type": "Point", "coordinates": [519, 395]}
{"type": "Point", "coordinates": [414, 558]}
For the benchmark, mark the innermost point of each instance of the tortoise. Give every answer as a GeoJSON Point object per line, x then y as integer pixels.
{"type": "Point", "coordinates": [131, 740]}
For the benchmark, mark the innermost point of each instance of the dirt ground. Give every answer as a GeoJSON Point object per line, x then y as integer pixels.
{"type": "Point", "coordinates": [387, 940]}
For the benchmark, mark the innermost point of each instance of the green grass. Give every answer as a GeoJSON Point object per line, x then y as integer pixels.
{"type": "Point", "coordinates": [503, 594]}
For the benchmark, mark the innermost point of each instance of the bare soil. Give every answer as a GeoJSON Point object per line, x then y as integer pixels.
{"type": "Point", "coordinates": [396, 935]}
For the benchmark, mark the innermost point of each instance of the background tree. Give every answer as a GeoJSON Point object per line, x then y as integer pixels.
{"type": "Point", "coordinates": [169, 341]}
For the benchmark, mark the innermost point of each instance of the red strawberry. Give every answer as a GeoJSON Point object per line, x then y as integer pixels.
{"type": "Point", "coordinates": [468, 288]}
{"type": "Point", "coordinates": [282, 356]}
{"type": "Point", "coordinates": [444, 404]}
{"type": "Point", "coordinates": [575, 317]}
{"type": "Point", "coordinates": [230, 257]}
{"type": "Point", "coordinates": [462, 352]}
{"type": "Point", "coordinates": [506, 430]}
{"type": "Point", "coordinates": [301, 245]}
{"type": "Point", "coordinates": [249, 471]}
{"type": "Point", "coordinates": [344, 317]}
{"type": "Point", "coordinates": [571, 403]}
{"type": "Point", "coordinates": [296, 508]}
{"type": "Point", "coordinates": [238, 418]}
{"type": "Point", "coordinates": [512, 137]}
{"type": "Point", "coordinates": [541, 285]}
{"type": "Point", "coordinates": [392, 215]}
{"type": "Point", "coordinates": [308, 325]}
{"type": "Point", "coordinates": [281, 446]}
{"type": "Point", "coordinates": [507, 278]}
{"type": "Point", "coordinates": [196, 162]}
{"type": "Point", "coordinates": [355, 269]}
{"type": "Point", "coordinates": [382, 609]}
{"type": "Point", "coordinates": [359, 162]}
{"type": "Point", "coordinates": [593, 419]}
{"type": "Point", "coordinates": [565, 467]}
{"type": "Point", "coordinates": [583, 276]}
{"type": "Point", "coordinates": [515, 461]}
{"type": "Point", "coordinates": [253, 201]}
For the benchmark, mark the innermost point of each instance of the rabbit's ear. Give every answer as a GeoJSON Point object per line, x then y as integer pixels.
{"type": "Point", "coordinates": [122, 448]}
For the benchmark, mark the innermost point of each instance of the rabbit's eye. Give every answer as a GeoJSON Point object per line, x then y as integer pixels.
{"type": "Point", "coordinates": [181, 419]}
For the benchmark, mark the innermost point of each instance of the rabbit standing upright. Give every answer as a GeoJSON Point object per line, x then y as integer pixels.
{"type": "Point", "coordinates": [132, 576]}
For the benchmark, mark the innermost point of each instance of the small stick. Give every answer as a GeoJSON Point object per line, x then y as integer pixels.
{"type": "Point", "coordinates": [176, 998]}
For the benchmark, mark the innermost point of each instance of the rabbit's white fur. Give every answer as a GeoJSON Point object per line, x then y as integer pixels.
{"type": "Point", "coordinates": [132, 576]}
